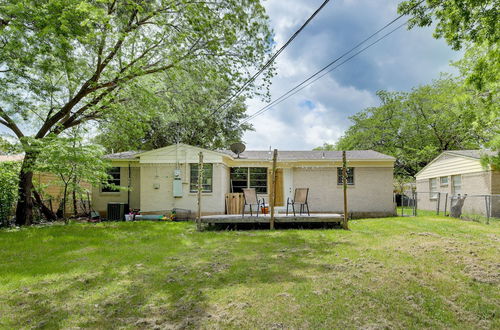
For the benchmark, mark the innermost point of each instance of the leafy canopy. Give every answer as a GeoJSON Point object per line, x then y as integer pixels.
{"type": "Point", "coordinates": [65, 62]}
{"type": "Point", "coordinates": [415, 127]}
{"type": "Point", "coordinates": [171, 107]}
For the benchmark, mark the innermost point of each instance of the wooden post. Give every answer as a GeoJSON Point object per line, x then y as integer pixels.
{"type": "Point", "coordinates": [344, 184]}
{"type": "Point", "coordinates": [272, 198]}
{"type": "Point", "coordinates": [200, 188]}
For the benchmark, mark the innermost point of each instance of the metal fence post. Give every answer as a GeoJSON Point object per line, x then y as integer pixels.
{"type": "Point", "coordinates": [438, 202]}
{"type": "Point", "coordinates": [445, 203]}
{"type": "Point", "coordinates": [487, 201]}
{"type": "Point", "coordinates": [415, 204]}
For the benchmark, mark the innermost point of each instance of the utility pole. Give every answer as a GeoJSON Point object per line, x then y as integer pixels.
{"type": "Point", "coordinates": [200, 188]}
{"type": "Point", "coordinates": [344, 186]}
{"type": "Point", "coordinates": [272, 197]}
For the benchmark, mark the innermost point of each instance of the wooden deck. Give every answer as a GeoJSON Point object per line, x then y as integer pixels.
{"type": "Point", "coordinates": [278, 218]}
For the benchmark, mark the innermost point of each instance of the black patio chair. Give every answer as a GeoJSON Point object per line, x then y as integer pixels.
{"type": "Point", "coordinates": [300, 198]}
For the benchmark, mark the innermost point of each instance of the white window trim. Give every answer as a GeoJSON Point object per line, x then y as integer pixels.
{"type": "Point", "coordinates": [433, 194]}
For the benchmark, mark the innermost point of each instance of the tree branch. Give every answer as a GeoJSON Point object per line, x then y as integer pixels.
{"type": "Point", "coordinates": [9, 123]}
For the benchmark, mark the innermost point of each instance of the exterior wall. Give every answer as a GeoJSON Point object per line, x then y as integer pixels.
{"type": "Point", "coordinates": [446, 165]}
{"type": "Point", "coordinates": [371, 194]}
{"type": "Point", "coordinates": [479, 183]}
{"type": "Point", "coordinates": [161, 199]}
{"type": "Point", "coordinates": [101, 199]}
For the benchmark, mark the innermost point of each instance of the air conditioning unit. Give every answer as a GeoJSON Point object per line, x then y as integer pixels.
{"type": "Point", "coordinates": [117, 211]}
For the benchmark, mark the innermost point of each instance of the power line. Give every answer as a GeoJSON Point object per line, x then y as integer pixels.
{"type": "Point", "coordinates": [307, 82]}
{"type": "Point", "coordinates": [270, 61]}
{"type": "Point", "coordinates": [294, 90]}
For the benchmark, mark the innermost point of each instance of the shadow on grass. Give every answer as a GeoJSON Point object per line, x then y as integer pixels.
{"type": "Point", "coordinates": [133, 275]}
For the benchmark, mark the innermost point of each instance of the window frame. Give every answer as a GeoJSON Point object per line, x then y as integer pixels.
{"type": "Point", "coordinates": [453, 186]}
{"type": "Point", "coordinates": [433, 193]}
{"type": "Point", "coordinates": [259, 188]}
{"type": "Point", "coordinates": [112, 172]}
{"type": "Point", "coordinates": [441, 181]}
{"type": "Point", "coordinates": [205, 177]}
{"type": "Point", "coordinates": [350, 174]}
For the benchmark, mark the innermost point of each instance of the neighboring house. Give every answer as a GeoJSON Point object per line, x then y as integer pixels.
{"type": "Point", "coordinates": [166, 178]}
{"type": "Point", "coordinates": [457, 172]}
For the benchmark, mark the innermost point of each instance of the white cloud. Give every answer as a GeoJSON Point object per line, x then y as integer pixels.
{"type": "Point", "coordinates": [403, 60]}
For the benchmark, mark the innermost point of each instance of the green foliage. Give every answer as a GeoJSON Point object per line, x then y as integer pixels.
{"type": "Point", "coordinates": [473, 25]}
{"type": "Point", "coordinates": [9, 174]}
{"type": "Point", "coordinates": [481, 68]}
{"type": "Point", "coordinates": [73, 163]}
{"type": "Point", "coordinates": [326, 146]}
{"type": "Point", "coordinates": [8, 148]}
{"type": "Point", "coordinates": [415, 127]}
{"type": "Point", "coordinates": [65, 63]}
{"type": "Point", "coordinates": [172, 107]}
{"type": "Point", "coordinates": [457, 21]}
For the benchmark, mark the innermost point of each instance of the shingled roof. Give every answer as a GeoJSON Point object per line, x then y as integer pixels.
{"type": "Point", "coordinates": [473, 153]}
{"type": "Point", "coordinates": [11, 158]}
{"type": "Point", "coordinates": [304, 155]}
{"type": "Point", "coordinates": [311, 155]}
{"type": "Point", "coordinates": [123, 155]}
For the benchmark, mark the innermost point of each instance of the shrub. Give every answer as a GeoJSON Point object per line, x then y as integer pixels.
{"type": "Point", "coordinates": [9, 176]}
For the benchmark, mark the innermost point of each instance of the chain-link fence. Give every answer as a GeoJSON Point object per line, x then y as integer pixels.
{"type": "Point", "coordinates": [482, 208]}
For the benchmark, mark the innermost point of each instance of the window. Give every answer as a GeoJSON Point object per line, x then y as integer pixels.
{"type": "Point", "coordinates": [433, 188]}
{"type": "Point", "coordinates": [456, 184]}
{"type": "Point", "coordinates": [114, 179]}
{"type": "Point", "coordinates": [258, 179]}
{"type": "Point", "coordinates": [249, 177]}
{"type": "Point", "coordinates": [350, 176]}
{"type": "Point", "coordinates": [443, 181]}
{"type": "Point", "coordinates": [206, 180]}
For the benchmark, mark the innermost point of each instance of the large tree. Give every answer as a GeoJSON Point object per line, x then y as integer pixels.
{"type": "Point", "coordinates": [473, 25]}
{"type": "Point", "coordinates": [415, 127]}
{"type": "Point", "coordinates": [64, 63]}
{"type": "Point", "coordinates": [177, 106]}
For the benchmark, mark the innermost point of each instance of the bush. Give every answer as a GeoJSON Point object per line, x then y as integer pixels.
{"type": "Point", "coordinates": [9, 176]}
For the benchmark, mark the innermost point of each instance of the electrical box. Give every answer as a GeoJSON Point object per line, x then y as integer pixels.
{"type": "Point", "coordinates": [177, 187]}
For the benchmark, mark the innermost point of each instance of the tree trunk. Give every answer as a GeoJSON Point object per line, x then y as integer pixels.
{"type": "Point", "coordinates": [24, 209]}
{"type": "Point", "coordinates": [75, 204]}
{"type": "Point", "coordinates": [64, 203]}
{"type": "Point", "coordinates": [48, 213]}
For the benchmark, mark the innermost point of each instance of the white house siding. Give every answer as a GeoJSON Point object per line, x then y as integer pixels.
{"type": "Point", "coordinates": [161, 199]}
{"type": "Point", "coordinates": [371, 194]}
{"type": "Point", "coordinates": [446, 165]}
{"type": "Point", "coordinates": [101, 199]}
{"type": "Point", "coordinates": [475, 181]}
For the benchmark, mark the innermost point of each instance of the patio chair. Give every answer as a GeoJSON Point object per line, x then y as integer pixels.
{"type": "Point", "coordinates": [250, 197]}
{"type": "Point", "coordinates": [299, 198]}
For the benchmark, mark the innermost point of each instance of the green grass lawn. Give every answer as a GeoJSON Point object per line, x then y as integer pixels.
{"type": "Point", "coordinates": [428, 272]}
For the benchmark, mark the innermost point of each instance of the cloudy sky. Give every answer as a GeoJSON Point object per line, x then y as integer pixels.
{"type": "Point", "coordinates": [320, 112]}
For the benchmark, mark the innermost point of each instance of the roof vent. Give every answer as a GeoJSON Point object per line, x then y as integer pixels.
{"type": "Point", "coordinates": [237, 148]}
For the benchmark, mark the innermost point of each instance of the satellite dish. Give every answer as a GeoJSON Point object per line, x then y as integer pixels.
{"type": "Point", "coordinates": [237, 148]}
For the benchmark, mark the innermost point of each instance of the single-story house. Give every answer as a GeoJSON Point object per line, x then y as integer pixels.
{"type": "Point", "coordinates": [457, 172]}
{"type": "Point", "coordinates": [166, 178]}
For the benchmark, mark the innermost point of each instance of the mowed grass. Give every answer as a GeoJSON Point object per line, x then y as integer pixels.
{"type": "Point", "coordinates": [430, 272]}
